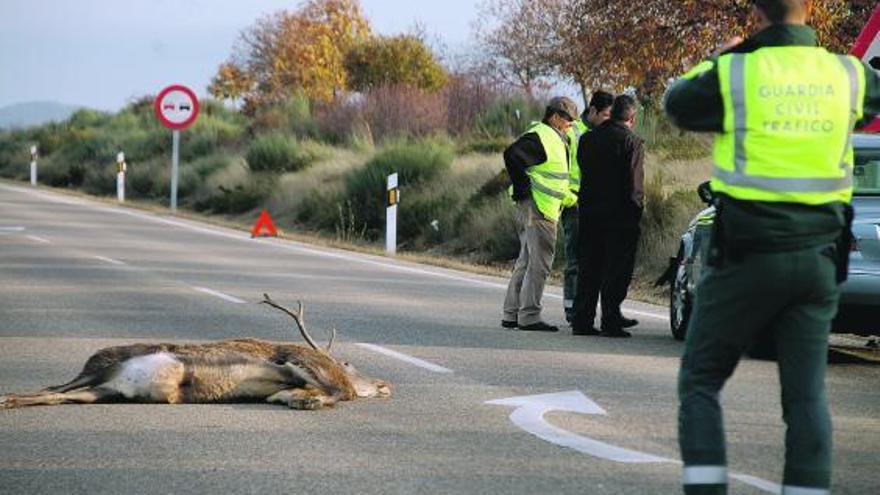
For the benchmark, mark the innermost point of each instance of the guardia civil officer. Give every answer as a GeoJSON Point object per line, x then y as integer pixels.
{"type": "Point", "coordinates": [537, 164]}
{"type": "Point", "coordinates": [783, 110]}
{"type": "Point", "coordinates": [597, 112]}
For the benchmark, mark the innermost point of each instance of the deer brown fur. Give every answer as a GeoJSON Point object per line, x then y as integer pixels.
{"type": "Point", "coordinates": [226, 371]}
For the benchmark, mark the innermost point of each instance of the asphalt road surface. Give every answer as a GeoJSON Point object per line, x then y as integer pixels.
{"type": "Point", "coordinates": [77, 275]}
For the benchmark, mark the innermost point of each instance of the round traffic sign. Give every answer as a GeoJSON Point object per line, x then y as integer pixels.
{"type": "Point", "coordinates": [176, 107]}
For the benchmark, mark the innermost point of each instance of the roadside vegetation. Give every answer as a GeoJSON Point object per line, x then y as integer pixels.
{"type": "Point", "coordinates": [313, 144]}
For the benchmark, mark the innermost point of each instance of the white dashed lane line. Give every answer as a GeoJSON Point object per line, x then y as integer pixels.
{"type": "Point", "coordinates": [109, 260]}
{"type": "Point", "coordinates": [38, 239]}
{"type": "Point", "coordinates": [225, 297]}
{"type": "Point", "coordinates": [403, 357]}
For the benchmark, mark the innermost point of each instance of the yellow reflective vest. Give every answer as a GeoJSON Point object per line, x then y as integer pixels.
{"type": "Point", "coordinates": [549, 180]}
{"type": "Point", "coordinates": [788, 118]}
{"type": "Point", "coordinates": [578, 129]}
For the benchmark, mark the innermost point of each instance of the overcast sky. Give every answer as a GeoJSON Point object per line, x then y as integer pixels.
{"type": "Point", "coordinates": [101, 53]}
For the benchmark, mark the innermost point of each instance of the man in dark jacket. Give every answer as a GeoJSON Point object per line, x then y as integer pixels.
{"type": "Point", "coordinates": [611, 200]}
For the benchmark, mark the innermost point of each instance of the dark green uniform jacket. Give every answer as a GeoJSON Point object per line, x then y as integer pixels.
{"type": "Point", "coordinates": [696, 105]}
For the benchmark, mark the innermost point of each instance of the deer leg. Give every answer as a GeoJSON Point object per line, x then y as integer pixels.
{"type": "Point", "coordinates": [80, 381]}
{"type": "Point", "coordinates": [81, 396]}
{"type": "Point", "coordinates": [308, 398]}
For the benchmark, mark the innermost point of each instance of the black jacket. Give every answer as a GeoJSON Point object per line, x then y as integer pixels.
{"type": "Point", "coordinates": [611, 158]}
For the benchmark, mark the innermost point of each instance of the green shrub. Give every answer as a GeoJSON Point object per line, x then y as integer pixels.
{"type": "Point", "coordinates": [508, 116]}
{"type": "Point", "coordinates": [665, 217]}
{"type": "Point", "coordinates": [488, 145]}
{"type": "Point", "coordinates": [487, 231]}
{"type": "Point", "coordinates": [428, 218]}
{"type": "Point", "coordinates": [100, 180]}
{"type": "Point", "coordinates": [242, 197]}
{"type": "Point", "coordinates": [208, 165]}
{"type": "Point", "coordinates": [142, 178]}
{"type": "Point", "coordinates": [415, 163]}
{"type": "Point", "coordinates": [276, 153]}
{"type": "Point", "coordinates": [328, 212]}
{"type": "Point", "coordinates": [86, 118]}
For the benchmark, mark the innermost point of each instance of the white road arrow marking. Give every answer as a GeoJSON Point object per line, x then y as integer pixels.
{"type": "Point", "coordinates": [529, 415]}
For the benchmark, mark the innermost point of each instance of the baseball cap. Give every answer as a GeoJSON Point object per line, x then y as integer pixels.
{"type": "Point", "coordinates": [563, 105]}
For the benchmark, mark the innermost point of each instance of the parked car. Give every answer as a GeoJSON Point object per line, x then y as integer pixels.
{"type": "Point", "coordinates": [859, 311]}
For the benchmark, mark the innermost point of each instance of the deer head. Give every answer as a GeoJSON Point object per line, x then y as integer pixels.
{"type": "Point", "coordinates": [363, 385]}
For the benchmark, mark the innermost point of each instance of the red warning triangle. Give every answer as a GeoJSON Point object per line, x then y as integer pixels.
{"type": "Point", "coordinates": [264, 222]}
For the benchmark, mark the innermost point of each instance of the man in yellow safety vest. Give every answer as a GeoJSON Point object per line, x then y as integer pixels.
{"type": "Point", "coordinates": [538, 166]}
{"type": "Point", "coordinates": [783, 110]}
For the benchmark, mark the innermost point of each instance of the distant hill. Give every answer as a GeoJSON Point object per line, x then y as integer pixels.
{"type": "Point", "coordinates": [34, 113]}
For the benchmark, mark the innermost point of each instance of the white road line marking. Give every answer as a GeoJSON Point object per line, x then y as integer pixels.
{"type": "Point", "coordinates": [11, 229]}
{"type": "Point", "coordinates": [109, 260]}
{"type": "Point", "coordinates": [301, 248]}
{"type": "Point", "coordinates": [225, 297]}
{"type": "Point", "coordinates": [403, 357]}
{"type": "Point", "coordinates": [761, 484]}
{"type": "Point", "coordinates": [38, 239]}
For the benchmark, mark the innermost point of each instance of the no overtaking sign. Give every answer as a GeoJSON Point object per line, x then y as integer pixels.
{"type": "Point", "coordinates": [176, 107]}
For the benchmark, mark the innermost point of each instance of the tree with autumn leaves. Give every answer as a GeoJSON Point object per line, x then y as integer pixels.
{"type": "Point", "coordinates": [616, 44]}
{"type": "Point", "coordinates": [317, 51]}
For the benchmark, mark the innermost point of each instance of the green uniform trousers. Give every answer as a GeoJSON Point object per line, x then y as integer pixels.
{"type": "Point", "coordinates": [569, 221]}
{"type": "Point", "coordinates": [790, 297]}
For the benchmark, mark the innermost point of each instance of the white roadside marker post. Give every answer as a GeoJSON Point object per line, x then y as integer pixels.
{"type": "Point", "coordinates": [391, 216]}
{"type": "Point", "coordinates": [34, 154]}
{"type": "Point", "coordinates": [120, 176]}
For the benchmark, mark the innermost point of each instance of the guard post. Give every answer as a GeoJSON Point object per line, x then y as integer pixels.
{"type": "Point", "coordinates": [393, 198]}
{"type": "Point", "coordinates": [120, 176]}
{"type": "Point", "coordinates": [34, 153]}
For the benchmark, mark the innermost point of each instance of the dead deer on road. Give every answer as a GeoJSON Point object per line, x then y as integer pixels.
{"type": "Point", "coordinates": [240, 370]}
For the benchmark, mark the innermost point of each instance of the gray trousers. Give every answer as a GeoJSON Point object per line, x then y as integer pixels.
{"type": "Point", "coordinates": [537, 239]}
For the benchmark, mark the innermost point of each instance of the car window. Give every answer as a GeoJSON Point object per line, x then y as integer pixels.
{"type": "Point", "coordinates": [867, 171]}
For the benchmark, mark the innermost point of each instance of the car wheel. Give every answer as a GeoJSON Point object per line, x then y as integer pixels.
{"type": "Point", "coordinates": [680, 297]}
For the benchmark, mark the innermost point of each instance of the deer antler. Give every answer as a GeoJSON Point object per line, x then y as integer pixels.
{"type": "Point", "coordinates": [298, 318]}
{"type": "Point", "coordinates": [332, 338]}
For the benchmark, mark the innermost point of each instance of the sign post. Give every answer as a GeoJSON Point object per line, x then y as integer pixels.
{"type": "Point", "coordinates": [34, 154]}
{"type": "Point", "coordinates": [176, 108]}
{"type": "Point", "coordinates": [391, 215]}
{"type": "Point", "coordinates": [120, 176]}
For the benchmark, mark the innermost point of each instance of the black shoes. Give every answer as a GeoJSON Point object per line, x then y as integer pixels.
{"type": "Point", "coordinates": [585, 331]}
{"type": "Point", "coordinates": [627, 322]}
{"type": "Point", "coordinates": [534, 327]}
{"type": "Point", "coordinates": [616, 333]}
{"type": "Point", "coordinates": [539, 327]}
